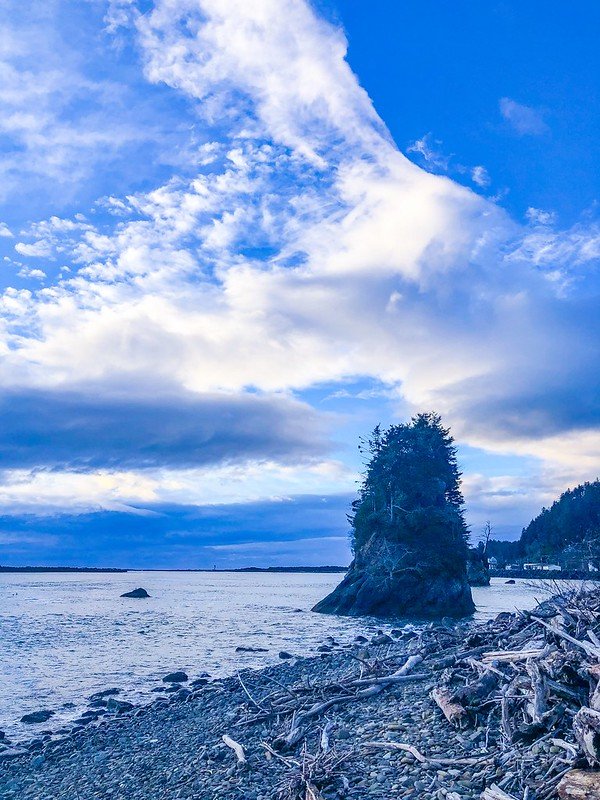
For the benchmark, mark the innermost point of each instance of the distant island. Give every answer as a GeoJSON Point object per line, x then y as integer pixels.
{"type": "Point", "coordinates": [61, 569]}
{"type": "Point", "coordinates": [324, 569]}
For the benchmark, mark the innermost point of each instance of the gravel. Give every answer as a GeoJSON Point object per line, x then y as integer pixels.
{"type": "Point", "coordinates": [173, 748]}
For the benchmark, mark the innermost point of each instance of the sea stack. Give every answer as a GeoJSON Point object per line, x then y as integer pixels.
{"type": "Point", "coordinates": [408, 531]}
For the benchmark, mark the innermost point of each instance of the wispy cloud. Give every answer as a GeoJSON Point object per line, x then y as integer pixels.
{"type": "Point", "coordinates": [304, 248]}
{"type": "Point", "coordinates": [524, 120]}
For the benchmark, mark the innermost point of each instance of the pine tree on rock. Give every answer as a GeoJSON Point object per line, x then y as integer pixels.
{"type": "Point", "coordinates": [409, 535]}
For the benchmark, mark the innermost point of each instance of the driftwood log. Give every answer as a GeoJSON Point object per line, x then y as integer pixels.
{"type": "Point", "coordinates": [579, 784]}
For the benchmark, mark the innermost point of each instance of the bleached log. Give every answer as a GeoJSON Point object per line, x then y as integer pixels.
{"type": "Point", "coordinates": [580, 785]}
{"type": "Point", "coordinates": [454, 712]}
{"type": "Point", "coordinates": [510, 655]}
{"type": "Point", "coordinates": [590, 649]}
{"type": "Point", "coordinates": [494, 792]}
{"type": "Point", "coordinates": [539, 705]}
{"type": "Point", "coordinates": [324, 743]}
{"type": "Point", "coordinates": [236, 747]}
{"type": "Point", "coordinates": [586, 726]}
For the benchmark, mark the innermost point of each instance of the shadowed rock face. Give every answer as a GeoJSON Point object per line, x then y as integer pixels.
{"type": "Point", "coordinates": [406, 594]}
{"type": "Point", "coordinates": [477, 570]}
{"type": "Point", "coordinates": [373, 587]}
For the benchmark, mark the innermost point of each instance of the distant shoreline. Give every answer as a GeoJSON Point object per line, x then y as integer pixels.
{"type": "Point", "coordinates": [325, 569]}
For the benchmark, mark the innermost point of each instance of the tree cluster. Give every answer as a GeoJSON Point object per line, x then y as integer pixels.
{"type": "Point", "coordinates": [567, 532]}
{"type": "Point", "coordinates": [410, 502]}
{"type": "Point", "coordinates": [571, 524]}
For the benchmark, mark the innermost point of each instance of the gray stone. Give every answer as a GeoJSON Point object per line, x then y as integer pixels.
{"type": "Point", "coordinates": [136, 593]}
{"type": "Point", "coordinates": [36, 717]}
{"type": "Point", "coordinates": [176, 677]}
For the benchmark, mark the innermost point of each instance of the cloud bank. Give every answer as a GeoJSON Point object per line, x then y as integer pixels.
{"type": "Point", "coordinates": [306, 248]}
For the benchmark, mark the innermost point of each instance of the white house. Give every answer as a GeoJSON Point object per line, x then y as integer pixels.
{"type": "Point", "coordinates": [543, 567]}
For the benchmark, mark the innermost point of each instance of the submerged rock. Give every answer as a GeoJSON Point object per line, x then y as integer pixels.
{"type": "Point", "coordinates": [510, 580]}
{"type": "Point", "coordinates": [37, 716]}
{"type": "Point", "coordinates": [104, 693]}
{"type": "Point", "coordinates": [118, 706]}
{"type": "Point", "coordinates": [283, 654]}
{"type": "Point", "coordinates": [136, 593]}
{"type": "Point", "coordinates": [243, 649]}
{"type": "Point", "coordinates": [176, 677]}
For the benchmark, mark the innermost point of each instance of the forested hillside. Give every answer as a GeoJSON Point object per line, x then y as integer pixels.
{"type": "Point", "coordinates": [568, 532]}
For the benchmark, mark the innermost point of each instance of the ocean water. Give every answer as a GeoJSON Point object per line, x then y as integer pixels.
{"type": "Point", "coordinates": [65, 636]}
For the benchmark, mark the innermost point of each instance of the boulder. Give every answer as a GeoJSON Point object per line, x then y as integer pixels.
{"type": "Point", "coordinates": [283, 654]}
{"type": "Point", "coordinates": [381, 638]}
{"type": "Point", "coordinates": [176, 677]}
{"type": "Point", "coordinates": [104, 693]}
{"type": "Point", "coordinates": [37, 716]}
{"type": "Point", "coordinates": [510, 580]}
{"type": "Point", "coordinates": [118, 706]}
{"type": "Point", "coordinates": [136, 593]}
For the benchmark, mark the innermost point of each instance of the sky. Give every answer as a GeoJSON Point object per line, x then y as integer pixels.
{"type": "Point", "coordinates": [236, 236]}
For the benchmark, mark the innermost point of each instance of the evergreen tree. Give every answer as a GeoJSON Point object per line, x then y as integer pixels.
{"type": "Point", "coordinates": [410, 498]}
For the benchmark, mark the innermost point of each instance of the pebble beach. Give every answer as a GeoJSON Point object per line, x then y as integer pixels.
{"type": "Point", "coordinates": [221, 739]}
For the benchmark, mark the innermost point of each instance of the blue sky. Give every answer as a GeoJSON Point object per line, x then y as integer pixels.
{"type": "Point", "coordinates": [234, 237]}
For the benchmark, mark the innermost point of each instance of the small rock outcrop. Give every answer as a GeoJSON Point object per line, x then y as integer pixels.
{"type": "Point", "coordinates": [478, 573]}
{"type": "Point", "coordinates": [118, 706]}
{"type": "Point", "coordinates": [36, 717]}
{"type": "Point", "coordinates": [136, 593]}
{"type": "Point", "coordinates": [175, 677]}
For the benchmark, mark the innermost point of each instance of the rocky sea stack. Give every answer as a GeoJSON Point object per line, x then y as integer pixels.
{"type": "Point", "coordinates": [408, 531]}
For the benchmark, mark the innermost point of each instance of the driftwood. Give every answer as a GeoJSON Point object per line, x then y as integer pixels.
{"type": "Point", "coordinates": [586, 726]}
{"type": "Point", "coordinates": [521, 679]}
{"type": "Point", "coordinates": [236, 747]}
{"type": "Point", "coordinates": [455, 713]}
{"type": "Point", "coordinates": [496, 793]}
{"type": "Point", "coordinates": [579, 785]}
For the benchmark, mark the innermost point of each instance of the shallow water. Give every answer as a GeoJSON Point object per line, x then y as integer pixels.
{"type": "Point", "coordinates": [65, 636]}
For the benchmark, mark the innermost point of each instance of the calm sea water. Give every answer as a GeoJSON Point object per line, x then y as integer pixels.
{"type": "Point", "coordinates": [65, 636]}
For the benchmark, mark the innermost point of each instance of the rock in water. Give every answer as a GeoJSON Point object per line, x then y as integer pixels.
{"type": "Point", "coordinates": [136, 593]}
{"type": "Point", "coordinates": [37, 716]}
{"type": "Point", "coordinates": [175, 677]}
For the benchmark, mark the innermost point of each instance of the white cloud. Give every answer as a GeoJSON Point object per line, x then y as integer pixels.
{"type": "Point", "coordinates": [33, 274]}
{"type": "Point", "coordinates": [480, 176]}
{"type": "Point", "coordinates": [310, 250]}
{"type": "Point", "coordinates": [537, 216]}
{"type": "Point", "coordinates": [5, 231]}
{"type": "Point", "coordinates": [525, 120]}
{"type": "Point", "coordinates": [39, 249]}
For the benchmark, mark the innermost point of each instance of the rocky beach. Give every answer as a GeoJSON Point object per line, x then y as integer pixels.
{"type": "Point", "coordinates": [499, 710]}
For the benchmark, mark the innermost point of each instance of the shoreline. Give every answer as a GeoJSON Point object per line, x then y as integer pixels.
{"type": "Point", "coordinates": [357, 722]}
